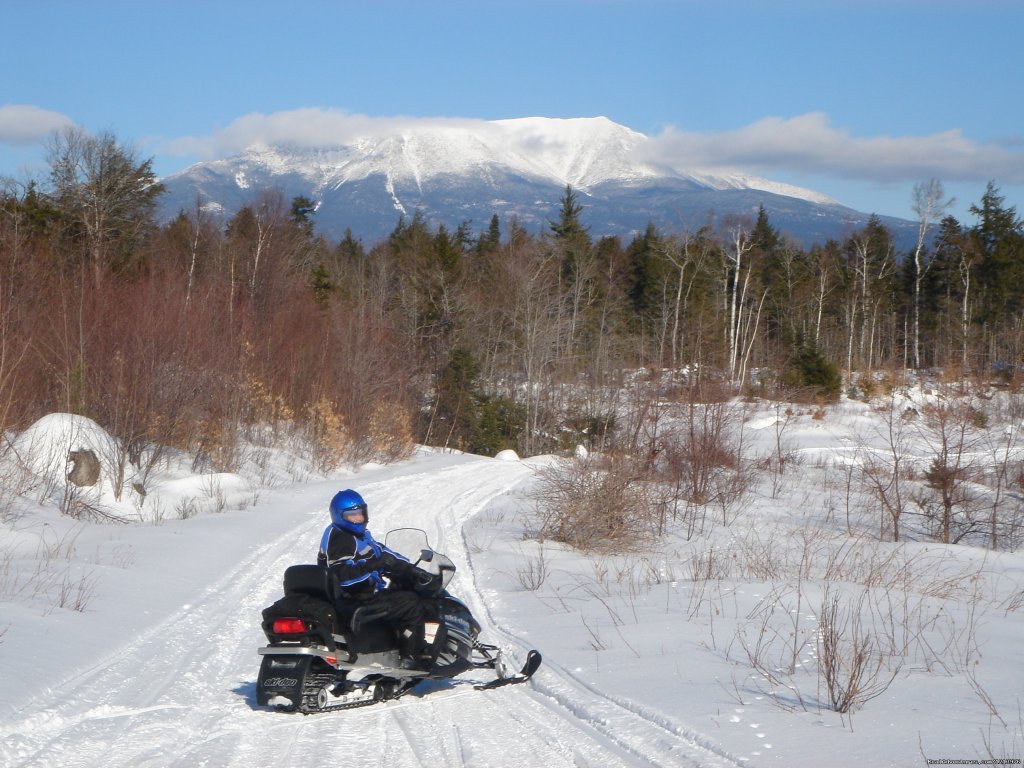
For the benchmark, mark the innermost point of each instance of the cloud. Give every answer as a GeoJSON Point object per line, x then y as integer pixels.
{"type": "Point", "coordinates": [809, 144]}
{"type": "Point", "coordinates": [25, 124]}
{"type": "Point", "coordinates": [309, 127]}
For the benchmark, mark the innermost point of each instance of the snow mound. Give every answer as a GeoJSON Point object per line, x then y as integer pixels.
{"type": "Point", "coordinates": [120, 493]}
{"type": "Point", "coordinates": [43, 448]}
{"type": "Point", "coordinates": [507, 455]}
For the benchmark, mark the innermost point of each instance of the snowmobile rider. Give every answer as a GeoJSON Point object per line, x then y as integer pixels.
{"type": "Point", "coordinates": [357, 564]}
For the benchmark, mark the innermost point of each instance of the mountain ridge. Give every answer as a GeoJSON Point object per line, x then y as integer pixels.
{"type": "Point", "coordinates": [458, 171]}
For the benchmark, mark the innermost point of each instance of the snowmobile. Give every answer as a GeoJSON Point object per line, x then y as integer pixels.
{"type": "Point", "coordinates": [324, 655]}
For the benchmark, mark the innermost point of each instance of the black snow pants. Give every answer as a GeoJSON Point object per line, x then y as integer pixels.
{"type": "Point", "coordinates": [403, 610]}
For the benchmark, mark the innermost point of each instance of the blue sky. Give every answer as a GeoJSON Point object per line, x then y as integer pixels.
{"type": "Point", "coordinates": [858, 99]}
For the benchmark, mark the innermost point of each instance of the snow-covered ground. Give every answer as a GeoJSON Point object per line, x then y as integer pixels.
{"type": "Point", "coordinates": [135, 645]}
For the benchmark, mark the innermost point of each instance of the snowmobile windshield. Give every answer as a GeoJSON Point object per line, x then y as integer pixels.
{"type": "Point", "coordinates": [408, 542]}
{"type": "Point", "coordinates": [440, 564]}
{"type": "Point", "coordinates": [412, 544]}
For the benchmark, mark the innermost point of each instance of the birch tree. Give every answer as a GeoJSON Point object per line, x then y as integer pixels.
{"type": "Point", "coordinates": [870, 260]}
{"type": "Point", "coordinates": [956, 259]}
{"type": "Point", "coordinates": [687, 254]}
{"type": "Point", "coordinates": [741, 316]}
{"type": "Point", "coordinates": [929, 204]}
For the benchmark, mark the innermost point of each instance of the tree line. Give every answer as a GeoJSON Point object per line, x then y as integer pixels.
{"type": "Point", "coordinates": [195, 332]}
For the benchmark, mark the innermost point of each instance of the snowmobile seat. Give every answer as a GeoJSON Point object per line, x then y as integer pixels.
{"type": "Point", "coordinates": [306, 580]}
{"type": "Point", "coordinates": [370, 635]}
{"type": "Point", "coordinates": [364, 629]}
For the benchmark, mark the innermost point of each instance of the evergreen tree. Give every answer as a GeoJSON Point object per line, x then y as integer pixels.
{"type": "Point", "coordinates": [322, 286]}
{"type": "Point", "coordinates": [463, 238]}
{"type": "Point", "coordinates": [456, 411]}
{"type": "Point", "coordinates": [649, 274]}
{"type": "Point", "coordinates": [568, 227]}
{"type": "Point", "coordinates": [776, 276]}
{"type": "Point", "coordinates": [490, 240]}
{"type": "Point", "coordinates": [812, 373]}
{"type": "Point", "coordinates": [302, 209]}
{"type": "Point", "coordinates": [764, 236]}
{"type": "Point", "coordinates": [572, 248]}
{"type": "Point", "coordinates": [448, 252]}
{"type": "Point", "coordinates": [1000, 242]}
{"type": "Point", "coordinates": [350, 249]}
{"type": "Point", "coordinates": [494, 232]}
{"type": "Point", "coordinates": [943, 278]}
{"type": "Point", "coordinates": [34, 210]}
{"type": "Point", "coordinates": [410, 237]}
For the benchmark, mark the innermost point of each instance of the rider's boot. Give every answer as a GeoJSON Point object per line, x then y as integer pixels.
{"type": "Point", "coordinates": [410, 649]}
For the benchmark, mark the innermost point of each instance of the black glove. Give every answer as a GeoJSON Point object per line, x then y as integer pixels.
{"type": "Point", "coordinates": [427, 582]}
{"type": "Point", "coordinates": [390, 564]}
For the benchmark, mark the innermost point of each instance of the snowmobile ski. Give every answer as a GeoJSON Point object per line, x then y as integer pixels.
{"type": "Point", "coordinates": [533, 660]}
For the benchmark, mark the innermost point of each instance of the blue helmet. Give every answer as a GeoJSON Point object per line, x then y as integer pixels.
{"type": "Point", "coordinates": [345, 503]}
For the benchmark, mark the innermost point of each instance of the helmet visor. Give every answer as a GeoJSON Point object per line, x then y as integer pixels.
{"type": "Point", "coordinates": [353, 512]}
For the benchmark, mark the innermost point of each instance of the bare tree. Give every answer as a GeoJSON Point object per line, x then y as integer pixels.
{"type": "Point", "coordinates": [871, 263]}
{"type": "Point", "coordinates": [952, 431]}
{"type": "Point", "coordinates": [525, 276]}
{"type": "Point", "coordinates": [687, 254]}
{"type": "Point", "coordinates": [200, 222]}
{"type": "Point", "coordinates": [929, 205]}
{"type": "Point", "coordinates": [966, 265]}
{"type": "Point", "coordinates": [851, 658]}
{"type": "Point", "coordinates": [578, 284]}
{"type": "Point", "coordinates": [826, 273]}
{"type": "Point", "coordinates": [105, 190]}
{"type": "Point", "coordinates": [15, 343]}
{"type": "Point", "coordinates": [13, 231]}
{"type": "Point", "coordinates": [884, 477]}
{"type": "Point", "coordinates": [1004, 448]}
{"type": "Point", "coordinates": [742, 318]}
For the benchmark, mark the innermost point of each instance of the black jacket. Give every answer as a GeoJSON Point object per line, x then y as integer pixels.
{"type": "Point", "coordinates": [355, 562]}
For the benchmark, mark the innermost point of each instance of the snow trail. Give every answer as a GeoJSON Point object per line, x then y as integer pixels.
{"type": "Point", "coordinates": [181, 692]}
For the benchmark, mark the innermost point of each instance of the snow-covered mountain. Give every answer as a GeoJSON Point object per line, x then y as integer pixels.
{"type": "Point", "coordinates": [456, 171]}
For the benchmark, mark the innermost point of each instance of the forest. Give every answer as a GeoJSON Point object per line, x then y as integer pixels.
{"type": "Point", "coordinates": [193, 333]}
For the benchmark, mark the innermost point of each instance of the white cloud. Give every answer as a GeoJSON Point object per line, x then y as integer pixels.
{"type": "Point", "coordinates": [25, 124]}
{"type": "Point", "coordinates": [809, 144]}
{"type": "Point", "coordinates": [309, 127]}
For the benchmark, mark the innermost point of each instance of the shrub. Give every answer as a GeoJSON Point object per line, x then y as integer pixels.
{"type": "Point", "coordinates": [390, 432]}
{"type": "Point", "coordinates": [328, 438]}
{"type": "Point", "coordinates": [810, 372]}
{"type": "Point", "coordinates": [851, 659]}
{"type": "Point", "coordinates": [594, 503]}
